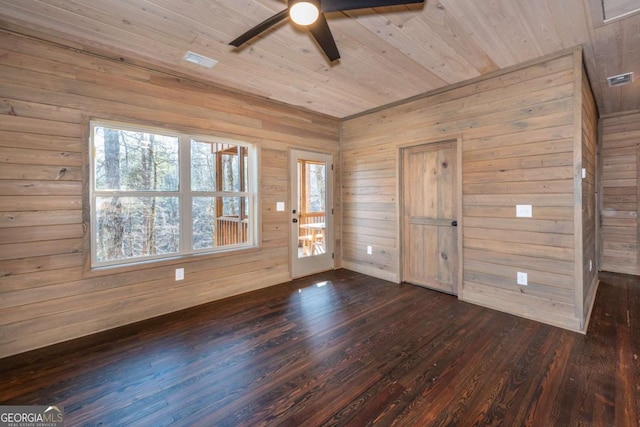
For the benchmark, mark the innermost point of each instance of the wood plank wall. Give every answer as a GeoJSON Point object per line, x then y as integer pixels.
{"type": "Point", "coordinates": [518, 130]}
{"type": "Point", "coordinates": [47, 293]}
{"type": "Point", "coordinates": [620, 157]}
{"type": "Point", "coordinates": [588, 261]}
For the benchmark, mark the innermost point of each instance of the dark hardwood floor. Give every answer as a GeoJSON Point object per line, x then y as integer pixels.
{"type": "Point", "coordinates": [341, 348]}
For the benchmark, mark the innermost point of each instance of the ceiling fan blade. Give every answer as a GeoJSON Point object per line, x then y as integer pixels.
{"type": "Point", "coordinates": [275, 19]}
{"type": "Point", "coordinates": [321, 32]}
{"type": "Point", "coordinates": [339, 5]}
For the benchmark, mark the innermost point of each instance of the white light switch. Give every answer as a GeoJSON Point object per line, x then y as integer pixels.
{"type": "Point", "coordinates": [522, 278]}
{"type": "Point", "coordinates": [179, 273]}
{"type": "Point", "coordinates": [524, 211]}
{"type": "Point", "coordinates": [584, 173]}
{"type": "Point", "coordinates": [280, 206]}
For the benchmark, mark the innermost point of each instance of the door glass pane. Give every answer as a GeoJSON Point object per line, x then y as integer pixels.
{"type": "Point", "coordinates": [312, 197]}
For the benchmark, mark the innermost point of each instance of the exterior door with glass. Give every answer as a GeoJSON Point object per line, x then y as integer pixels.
{"type": "Point", "coordinates": [311, 212]}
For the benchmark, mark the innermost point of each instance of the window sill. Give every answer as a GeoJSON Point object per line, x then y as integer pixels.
{"type": "Point", "coordinates": [178, 260]}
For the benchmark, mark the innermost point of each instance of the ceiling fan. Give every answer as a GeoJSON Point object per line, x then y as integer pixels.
{"type": "Point", "coordinates": [310, 14]}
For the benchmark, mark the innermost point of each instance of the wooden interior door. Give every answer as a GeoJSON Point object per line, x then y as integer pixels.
{"type": "Point", "coordinates": [430, 256]}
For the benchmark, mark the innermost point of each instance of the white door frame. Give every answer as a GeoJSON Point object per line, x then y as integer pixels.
{"type": "Point", "coordinates": [316, 262]}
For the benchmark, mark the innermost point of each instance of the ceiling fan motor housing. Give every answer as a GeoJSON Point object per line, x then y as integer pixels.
{"type": "Point", "coordinates": [313, 19]}
{"type": "Point", "coordinates": [304, 12]}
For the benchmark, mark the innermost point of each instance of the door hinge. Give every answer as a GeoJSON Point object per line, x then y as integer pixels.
{"type": "Point", "coordinates": [332, 166]}
{"type": "Point", "coordinates": [333, 255]}
{"type": "Point", "coordinates": [331, 211]}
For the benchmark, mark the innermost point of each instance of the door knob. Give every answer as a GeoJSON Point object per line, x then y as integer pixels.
{"type": "Point", "coordinates": [454, 223]}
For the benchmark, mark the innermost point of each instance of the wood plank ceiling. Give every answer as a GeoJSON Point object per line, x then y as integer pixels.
{"type": "Point", "coordinates": [388, 54]}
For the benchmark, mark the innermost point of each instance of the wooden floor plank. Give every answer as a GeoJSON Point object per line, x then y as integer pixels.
{"type": "Point", "coordinates": [344, 349]}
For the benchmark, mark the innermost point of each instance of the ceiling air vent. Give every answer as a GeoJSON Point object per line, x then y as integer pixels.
{"type": "Point", "coordinates": [620, 79]}
{"type": "Point", "coordinates": [198, 59]}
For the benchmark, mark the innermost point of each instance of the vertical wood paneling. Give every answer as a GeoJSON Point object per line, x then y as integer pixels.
{"type": "Point", "coordinates": [620, 177]}
{"type": "Point", "coordinates": [518, 131]}
{"type": "Point", "coordinates": [48, 94]}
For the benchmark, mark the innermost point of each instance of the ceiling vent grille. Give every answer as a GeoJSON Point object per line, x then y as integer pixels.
{"type": "Point", "coordinates": [198, 59]}
{"type": "Point", "coordinates": [620, 79]}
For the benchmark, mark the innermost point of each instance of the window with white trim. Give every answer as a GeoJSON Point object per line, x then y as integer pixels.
{"type": "Point", "coordinates": [158, 194]}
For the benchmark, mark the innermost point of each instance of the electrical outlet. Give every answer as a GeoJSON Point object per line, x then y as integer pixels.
{"type": "Point", "coordinates": [524, 211]}
{"type": "Point", "coordinates": [179, 274]}
{"type": "Point", "coordinates": [369, 250]}
{"type": "Point", "coordinates": [522, 278]}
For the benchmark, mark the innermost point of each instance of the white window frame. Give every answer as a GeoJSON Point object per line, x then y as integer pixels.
{"type": "Point", "coordinates": [184, 194]}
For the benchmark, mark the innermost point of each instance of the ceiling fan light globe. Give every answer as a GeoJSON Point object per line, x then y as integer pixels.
{"type": "Point", "coordinates": [304, 13]}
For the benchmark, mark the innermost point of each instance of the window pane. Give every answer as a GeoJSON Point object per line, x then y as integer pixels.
{"type": "Point", "coordinates": [217, 166]}
{"type": "Point", "coordinates": [203, 166]}
{"type": "Point", "coordinates": [137, 202]}
{"type": "Point", "coordinates": [232, 206]}
{"type": "Point", "coordinates": [219, 221]}
{"type": "Point", "coordinates": [232, 224]}
{"type": "Point", "coordinates": [203, 213]}
{"type": "Point", "coordinates": [231, 171]}
{"type": "Point", "coordinates": [133, 227]}
{"type": "Point", "coordinates": [126, 160]}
